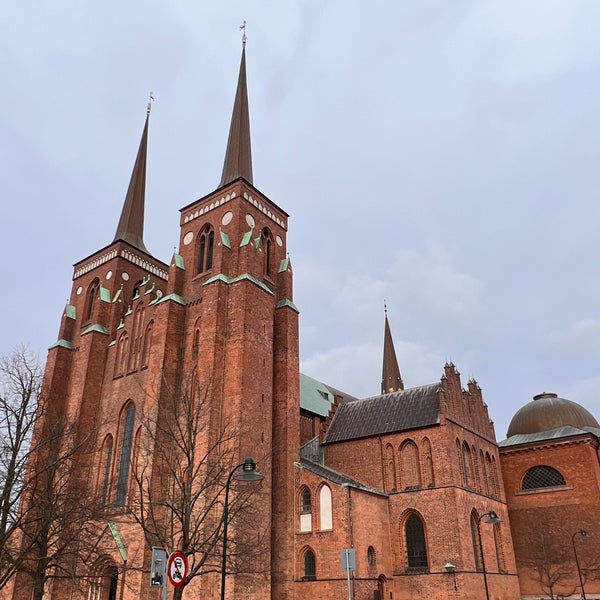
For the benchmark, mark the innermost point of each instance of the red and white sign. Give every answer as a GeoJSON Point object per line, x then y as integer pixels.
{"type": "Point", "coordinates": [177, 569]}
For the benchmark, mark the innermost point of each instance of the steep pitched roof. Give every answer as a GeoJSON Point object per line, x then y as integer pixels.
{"type": "Point", "coordinates": [388, 413]}
{"type": "Point", "coordinates": [238, 157]}
{"type": "Point", "coordinates": [391, 381]}
{"type": "Point", "coordinates": [131, 224]}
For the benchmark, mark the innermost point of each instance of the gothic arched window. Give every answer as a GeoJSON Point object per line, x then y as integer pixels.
{"type": "Point", "coordinates": [409, 465]}
{"type": "Point", "coordinates": [206, 246]}
{"type": "Point", "coordinates": [466, 464]}
{"type": "Point", "coordinates": [92, 297]}
{"type": "Point", "coordinates": [125, 455]}
{"type": "Point", "coordinates": [105, 463]}
{"type": "Point", "coordinates": [325, 508]}
{"type": "Point", "coordinates": [416, 547]}
{"type": "Point", "coordinates": [267, 244]}
{"type": "Point", "coordinates": [542, 477]}
{"type": "Point", "coordinates": [305, 510]}
{"type": "Point", "coordinates": [310, 566]}
{"type": "Point", "coordinates": [475, 540]}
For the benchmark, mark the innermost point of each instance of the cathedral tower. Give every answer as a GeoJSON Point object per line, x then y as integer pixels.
{"type": "Point", "coordinates": [138, 335]}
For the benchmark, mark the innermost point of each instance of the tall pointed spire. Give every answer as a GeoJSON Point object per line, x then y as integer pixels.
{"type": "Point", "coordinates": [391, 381]}
{"type": "Point", "coordinates": [131, 223]}
{"type": "Point", "coordinates": [238, 157]}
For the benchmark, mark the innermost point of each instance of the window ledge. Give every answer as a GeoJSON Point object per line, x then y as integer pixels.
{"type": "Point", "coordinates": [544, 490]}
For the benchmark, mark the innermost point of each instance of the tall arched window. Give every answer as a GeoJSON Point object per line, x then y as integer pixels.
{"type": "Point", "coordinates": [206, 245]}
{"type": "Point", "coordinates": [147, 344]}
{"type": "Point", "coordinates": [466, 464]}
{"type": "Point", "coordinates": [92, 297]}
{"type": "Point", "coordinates": [138, 334]}
{"type": "Point", "coordinates": [305, 510]}
{"type": "Point", "coordinates": [475, 540]}
{"type": "Point", "coordinates": [416, 547]}
{"type": "Point", "coordinates": [125, 455]}
{"type": "Point", "coordinates": [310, 566]}
{"type": "Point", "coordinates": [103, 581]}
{"type": "Point", "coordinates": [121, 357]}
{"type": "Point", "coordinates": [409, 466]}
{"type": "Point", "coordinates": [499, 547]}
{"type": "Point", "coordinates": [105, 464]}
{"type": "Point", "coordinates": [267, 244]}
{"type": "Point", "coordinates": [427, 463]}
{"type": "Point", "coordinates": [390, 468]}
{"type": "Point", "coordinates": [325, 509]}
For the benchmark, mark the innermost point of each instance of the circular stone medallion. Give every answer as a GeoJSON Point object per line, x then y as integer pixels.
{"type": "Point", "coordinates": [250, 220]}
{"type": "Point", "coordinates": [188, 237]}
{"type": "Point", "coordinates": [227, 217]}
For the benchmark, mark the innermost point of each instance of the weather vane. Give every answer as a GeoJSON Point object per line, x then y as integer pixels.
{"type": "Point", "coordinates": [149, 106]}
{"type": "Point", "coordinates": [243, 28]}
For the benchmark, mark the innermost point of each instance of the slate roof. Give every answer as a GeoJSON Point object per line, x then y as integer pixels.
{"type": "Point", "coordinates": [551, 434]}
{"type": "Point", "coordinates": [387, 413]}
{"type": "Point", "coordinates": [333, 476]}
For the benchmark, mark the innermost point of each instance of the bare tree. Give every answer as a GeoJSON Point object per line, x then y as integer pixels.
{"type": "Point", "coordinates": [45, 512]}
{"type": "Point", "coordinates": [180, 476]}
{"type": "Point", "coordinates": [20, 383]}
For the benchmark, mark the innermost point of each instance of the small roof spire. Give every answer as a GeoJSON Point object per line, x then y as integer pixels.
{"type": "Point", "coordinates": [131, 224]}
{"type": "Point", "coordinates": [238, 156]}
{"type": "Point", "coordinates": [391, 381]}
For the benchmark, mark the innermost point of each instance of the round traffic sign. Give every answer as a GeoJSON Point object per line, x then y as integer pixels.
{"type": "Point", "coordinates": [177, 569]}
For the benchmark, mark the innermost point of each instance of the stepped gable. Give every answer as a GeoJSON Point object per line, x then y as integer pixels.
{"type": "Point", "coordinates": [386, 413]}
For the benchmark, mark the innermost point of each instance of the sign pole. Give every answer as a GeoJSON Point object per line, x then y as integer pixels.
{"type": "Point", "coordinates": [347, 551]}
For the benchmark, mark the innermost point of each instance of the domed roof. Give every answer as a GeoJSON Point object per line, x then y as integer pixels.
{"type": "Point", "coordinates": [548, 411]}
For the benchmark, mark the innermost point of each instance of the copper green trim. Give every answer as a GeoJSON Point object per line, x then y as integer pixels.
{"type": "Point", "coordinates": [121, 324]}
{"type": "Point", "coordinates": [149, 291]}
{"type": "Point", "coordinates": [129, 311]}
{"type": "Point", "coordinates": [225, 239]}
{"type": "Point", "coordinates": [62, 344]}
{"type": "Point", "coordinates": [257, 242]}
{"type": "Point", "coordinates": [219, 277]}
{"type": "Point", "coordinates": [96, 327]}
{"type": "Point", "coordinates": [248, 277]}
{"type": "Point", "coordinates": [283, 265]}
{"type": "Point", "coordinates": [118, 294]}
{"type": "Point", "coordinates": [174, 297]}
{"type": "Point", "coordinates": [246, 239]}
{"type": "Point", "coordinates": [178, 260]}
{"type": "Point", "coordinates": [70, 311]}
{"type": "Point", "coordinates": [113, 343]}
{"type": "Point", "coordinates": [104, 294]}
{"type": "Point", "coordinates": [285, 302]}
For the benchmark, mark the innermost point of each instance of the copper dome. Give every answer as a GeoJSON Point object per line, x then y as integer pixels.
{"type": "Point", "coordinates": [548, 411]}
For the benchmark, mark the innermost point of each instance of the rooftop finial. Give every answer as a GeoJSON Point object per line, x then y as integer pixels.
{"type": "Point", "coordinates": [385, 307]}
{"type": "Point", "coordinates": [243, 28]}
{"type": "Point", "coordinates": [149, 105]}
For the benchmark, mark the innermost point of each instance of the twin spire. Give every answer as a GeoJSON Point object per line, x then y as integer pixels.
{"type": "Point", "coordinates": [237, 163]}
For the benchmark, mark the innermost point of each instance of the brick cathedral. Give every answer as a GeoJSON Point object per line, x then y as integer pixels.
{"type": "Point", "coordinates": [412, 481]}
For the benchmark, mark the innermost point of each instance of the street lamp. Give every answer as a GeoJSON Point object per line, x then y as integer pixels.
{"type": "Point", "coordinates": [249, 473]}
{"type": "Point", "coordinates": [584, 536]}
{"type": "Point", "coordinates": [493, 518]}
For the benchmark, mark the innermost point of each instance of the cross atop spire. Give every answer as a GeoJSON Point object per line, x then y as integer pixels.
{"type": "Point", "coordinates": [391, 381]}
{"type": "Point", "coordinates": [131, 224]}
{"type": "Point", "coordinates": [238, 157]}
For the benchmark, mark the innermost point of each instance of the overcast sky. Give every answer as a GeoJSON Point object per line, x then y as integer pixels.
{"type": "Point", "coordinates": [441, 156]}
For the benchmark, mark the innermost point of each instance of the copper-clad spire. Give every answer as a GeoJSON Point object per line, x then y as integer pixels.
{"type": "Point", "coordinates": [391, 381]}
{"type": "Point", "coordinates": [238, 157]}
{"type": "Point", "coordinates": [131, 223]}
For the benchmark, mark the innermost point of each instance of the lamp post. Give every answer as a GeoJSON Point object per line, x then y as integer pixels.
{"type": "Point", "coordinates": [450, 568]}
{"type": "Point", "coordinates": [249, 473]}
{"type": "Point", "coordinates": [584, 536]}
{"type": "Point", "coordinates": [493, 518]}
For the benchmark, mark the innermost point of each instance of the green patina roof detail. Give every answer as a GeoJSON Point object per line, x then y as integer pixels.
{"type": "Point", "coordinates": [219, 277]}
{"type": "Point", "coordinates": [96, 327]}
{"type": "Point", "coordinates": [246, 239]}
{"type": "Point", "coordinates": [118, 294]}
{"type": "Point", "coordinates": [112, 343]}
{"type": "Point", "coordinates": [150, 290]}
{"type": "Point", "coordinates": [288, 303]}
{"type": "Point", "coordinates": [257, 242]}
{"type": "Point", "coordinates": [225, 239]}
{"type": "Point", "coordinates": [121, 324]}
{"type": "Point", "coordinates": [104, 294]}
{"type": "Point", "coordinates": [178, 260]}
{"type": "Point", "coordinates": [315, 396]}
{"type": "Point", "coordinates": [129, 311]}
{"type": "Point", "coordinates": [283, 265]}
{"type": "Point", "coordinates": [174, 297]}
{"type": "Point", "coordinates": [62, 344]}
{"type": "Point", "coordinates": [253, 279]}
{"type": "Point", "coordinates": [70, 311]}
